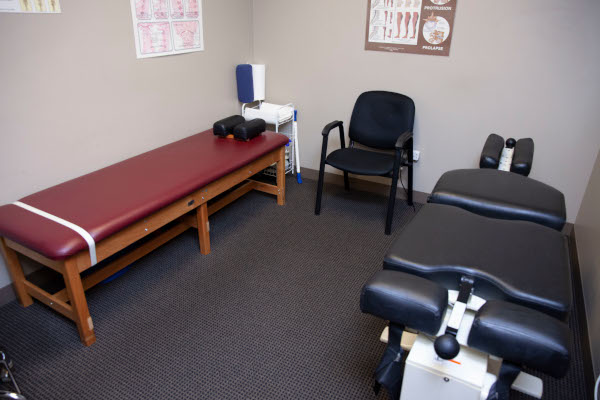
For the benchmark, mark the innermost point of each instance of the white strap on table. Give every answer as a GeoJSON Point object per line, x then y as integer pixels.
{"type": "Point", "coordinates": [84, 234]}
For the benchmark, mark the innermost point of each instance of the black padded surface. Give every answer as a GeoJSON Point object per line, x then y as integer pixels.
{"type": "Point", "coordinates": [501, 194]}
{"type": "Point", "coordinates": [362, 162]}
{"type": "Point", "coordinates": [380, 117]}
{"type": "Point", "coordinates": [249, 129]}
{"type": "Point", "coordinates": [523, 157]}
{"type": "Point", "coordinates": [522, 336]}
{"type": "Point", "coordinates": [491, 152]}
{"type": "Point", "coordinates": [225, 126]}
{"type": "Point", "coordinates": [517, 261]}
{"type": "Point", "coordinates": [406, 300]}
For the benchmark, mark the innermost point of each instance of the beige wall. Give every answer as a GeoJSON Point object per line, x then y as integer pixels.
{"type": "Point", "coordinates": [517, 68]}
{"type": "Point", "coordinates": [587, 231]}
{"type": "Point", "coordinates": [74, 98]}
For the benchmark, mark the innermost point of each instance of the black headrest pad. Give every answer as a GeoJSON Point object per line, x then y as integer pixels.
{"type": "Point", "coordinates": [492, 151]}
{"type": "Point", "coordinates": [501, 194]}
{"type": "Point", "coordinates": [523, 157]}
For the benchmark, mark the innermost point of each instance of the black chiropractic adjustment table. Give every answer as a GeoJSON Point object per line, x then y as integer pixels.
{"type": "Point", "coordinates": [475, 288]}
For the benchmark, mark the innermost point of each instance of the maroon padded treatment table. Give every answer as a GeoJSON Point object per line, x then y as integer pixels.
{"type": "Point", "coordinates": [125, 202]}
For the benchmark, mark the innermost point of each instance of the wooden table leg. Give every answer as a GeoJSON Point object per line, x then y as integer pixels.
{"type": "Point", "coordinates": [281, 177]}
{"type": "Point", "coordinates": [203, 228]}
{"type": "Point", "coordinates": [78, 302]}
{"type": "Point", "coordinates": [16, 273]}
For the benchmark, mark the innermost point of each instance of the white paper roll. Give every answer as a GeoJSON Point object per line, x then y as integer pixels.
{"type": "Point", "coordinates": [258, 78]}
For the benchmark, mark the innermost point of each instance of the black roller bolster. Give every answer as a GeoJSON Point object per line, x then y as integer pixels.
{"type": "Point", "coordinates": [406, 300]}
{"type": "Point", "coordinates": [523, 157]}
{"type": "Point", "coordinates": [225, 126]}
{"type": "Point", "coordinates": [250, 129]}
{"type": "Point", "coordinates": [492, 151]}
{"type": "Point", "coordinates": [522, 336]}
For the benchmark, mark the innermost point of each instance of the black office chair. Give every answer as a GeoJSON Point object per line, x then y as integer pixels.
{"type": "Point", "coordinates": [380, 120]}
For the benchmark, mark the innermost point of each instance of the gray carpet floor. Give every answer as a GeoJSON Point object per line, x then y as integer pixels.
{"type": "Point", "coordinates": [272, 313]}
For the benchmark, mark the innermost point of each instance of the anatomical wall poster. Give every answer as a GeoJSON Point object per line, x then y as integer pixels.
{"type": "Point", "coordinates": [410, 26]}
{"type": "Point", "coordinates": [30, 6]}
{"type": "Point", "coordinates": [167, 27]}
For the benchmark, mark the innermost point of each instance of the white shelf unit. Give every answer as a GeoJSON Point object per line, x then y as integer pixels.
{"type": "Point", "coordinates": [281, 118]}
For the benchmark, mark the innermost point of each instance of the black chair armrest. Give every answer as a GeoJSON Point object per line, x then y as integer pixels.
{"type": "Point", "coordinates": [328, 128]}
{"type": "Point", "coordinates": [403, 140]}
{"type": "Point", "coordinates": [331, 126]}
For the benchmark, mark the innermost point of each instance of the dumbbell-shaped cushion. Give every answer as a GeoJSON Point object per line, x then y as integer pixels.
{"type": "Point", "coordinates": [250, 129]}
{"type": "Point", "coordinates": [502, 195]}
{"type": "Point", "coordinates": [225, 126]}
{"type": "Point", "coordinates": [522, 336]}
{"type": "Point", "coordinates": [406, 300]}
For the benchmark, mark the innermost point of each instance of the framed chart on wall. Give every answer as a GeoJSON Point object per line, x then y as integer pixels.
{"type": "Point", "coordinates": [410, 26]}
{"type": "Point", "coordinates": [167, 27]}
{"type": "Point", "coordinates": [30, 6]}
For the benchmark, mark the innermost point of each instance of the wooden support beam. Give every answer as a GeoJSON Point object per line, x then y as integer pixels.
{"type": "Point", "coordinates": [203, 229]}
{"type": "Point", "coordinates": [117, 265]}
{"type": "Point", "coordinates": [16, 272]}
{"type": "Point", "coordinates": [231, 197]}
{"type": "Point", "coordinates": [81, 313]}
{"type": "Point", "coordinates": [51, 301]}
{"type": "Point", "coordinates": [144, 227]}
{"type": "Point", "coordinates": [281, 177]}
{"type": "Point", "coordinates": [52, 264]}
{"type": "Point", "coordinates": [266, 188]}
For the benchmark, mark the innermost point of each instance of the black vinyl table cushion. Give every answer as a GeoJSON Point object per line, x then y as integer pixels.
{"type": "Point", "coordinates": [405, 300]}
{"type": "Point", "coordinates": [522, 336]}
{"type": "Point", "coordinates": [501, 194]}
{"type": "Point", "coordinates": [516, 261]}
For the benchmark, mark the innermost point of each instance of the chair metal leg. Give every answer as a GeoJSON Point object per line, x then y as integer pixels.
{"type": "Point", "coordinates": [391, 204]}
{"type": "Point", "coordinates": [346, 181]}
{"type": "Point", "coordinates": [320, 189]}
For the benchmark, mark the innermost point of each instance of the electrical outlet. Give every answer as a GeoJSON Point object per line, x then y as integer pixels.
{"type": "Point", "coordinates": [416, 155]}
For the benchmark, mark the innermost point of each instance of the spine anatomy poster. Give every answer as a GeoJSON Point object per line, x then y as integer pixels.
{"type": "Point", "coordinates": [167, 27]}
{"type": "Point", "coordinates": [30, 6]}
{"type": "Point", "coordinates": [410, 26]}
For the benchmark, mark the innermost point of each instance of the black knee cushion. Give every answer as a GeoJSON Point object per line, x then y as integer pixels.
{"type": "Point", "coordinates": [522, 336]}
{"type": "Point", "coordinates": [492, 151]}
{"type": "Point", "coordinates": [406, 300]}
{"type": "Point", "coordinates": [523, 157]}
{"type": "Point", "coordinates": [501, 194]}
{"type": "Point", "coordinates": [250, 129]}
{"type": "Point", "coordinates": [225, 126]}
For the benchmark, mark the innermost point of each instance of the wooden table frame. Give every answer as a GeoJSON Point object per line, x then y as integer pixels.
{"type": "Point", "coordinates": [190, 211]}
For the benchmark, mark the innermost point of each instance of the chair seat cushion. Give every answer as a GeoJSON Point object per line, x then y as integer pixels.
{"type": "Point", "coordinates": [516, 261]}
{"type": "Point", "coordinates": [503, 195]}
{"type": "Point", "coordinates": [361, 162]}
{"type": "Point", "coordinates": [522, 336]}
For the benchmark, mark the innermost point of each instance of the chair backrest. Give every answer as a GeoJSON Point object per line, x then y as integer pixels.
{"type": "Point", "coordinates": [380, 117]}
